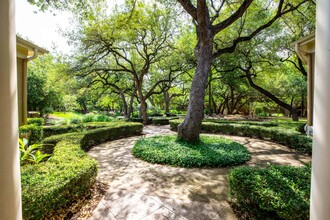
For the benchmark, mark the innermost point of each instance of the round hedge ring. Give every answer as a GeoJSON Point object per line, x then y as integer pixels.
{"type": "Point", "coordinates": [211, 151]}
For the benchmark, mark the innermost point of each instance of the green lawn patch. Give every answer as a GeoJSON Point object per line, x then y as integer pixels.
{"type": "Point", "coordinates": [211, 151]}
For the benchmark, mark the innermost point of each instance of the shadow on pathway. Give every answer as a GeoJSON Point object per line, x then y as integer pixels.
{"type": "Point", "coordinates": [140, 190]}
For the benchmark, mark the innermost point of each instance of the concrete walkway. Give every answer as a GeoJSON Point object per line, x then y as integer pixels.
{"type": "Point", "coordinates": [139, 190]}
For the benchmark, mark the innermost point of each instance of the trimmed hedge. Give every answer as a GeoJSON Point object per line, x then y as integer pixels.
{"type": "Point", "coordinates": [257, 123]}
{"type": "Point", "coordinates": [162, 120]}
{"type": "Point", "coordinates": [275, 192]}
{"type": "Point", "coordinates": [286, 137]}
{"type": "Point", "coordinates": [69, 173]}
{"type": "Point", "coordinates": [36, 121]}
{"type": "Point", "coordinates": [63, 129]}
{"type": "Point", "coordinates": [211, 151]}
{"type": "Point", "coordinates": [34, 133]}
{"type": "Point", "coordinates": [60, 129]}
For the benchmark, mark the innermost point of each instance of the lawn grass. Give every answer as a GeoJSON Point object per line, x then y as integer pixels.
{"type": "Point", "coordinates": [67, 115]}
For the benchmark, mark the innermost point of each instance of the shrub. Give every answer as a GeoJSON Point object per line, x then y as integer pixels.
{"type": "Point", "coordinates": [69, 173]}
{"type": "Point", "coordinates": [209, 152]}
{"type": "Point", "coordinates": [119, 130]}
{"type": "Point", "coordinates": [286, 137]}
{"type": "Point", "coordinates": [301, 128]}
{"type": "Point", "coordinates": [75, 121]}
{"type": "Point", "coordinates": [61, 129]}
{"type": "Point", "coordinates": [32, 132]}
{"type": "Point", "coordinates": [36, 121]}
{"type": "Point", "coordinates": [257, 123]}
{"type": "Point", "coordinates": [275, 192]}
{"type": "Point", "coordinates": [162, 120]}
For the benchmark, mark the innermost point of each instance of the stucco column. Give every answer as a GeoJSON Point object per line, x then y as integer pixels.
{"type": "Point", "coordinates": [320, 196]}
{"type": "Point", "coordinates": [10, 187]}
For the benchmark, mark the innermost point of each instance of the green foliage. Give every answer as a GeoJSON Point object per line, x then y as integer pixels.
{"type": "Point", "coordinates": [36, 121]}
{"type": "Point", "coordinates": [209, 152]}
{"type": "Point", "coordinates": [31, 153]}
{"type": "Point", "coordinates": [162, 120]}
{"type": "Point", "coordinates": [69, 173]}
{"type": "Point", "coordinates": [290, 138]}
{"type": "Point", "coordinates": [32, 132]}
{"type": "Point", "coordinates": [275, 192]}
{"type": "Point", "coordinates": [62, 129]}
{"type": "Point", "coordinates": [41, 92]}
{"type": "Point", "coordinates": [257, 123]}
{"type": "Point", "coordinates": [96, 118]}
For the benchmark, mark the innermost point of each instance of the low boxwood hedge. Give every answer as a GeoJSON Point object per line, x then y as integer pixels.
{"type": "Point", "coordinates": [211, 151]}
{"type": "Point", "coordinates": [33, 132]}
{"type": "Point", "coordinates": [290, 138]}
{"type": "Point", "coordinates": [63, 129]}
{"type": "Point", "coordinates": [257, 123]}
{"type": "Point", "coordinates": [69, 173]}
{"type": "Point", "coordinates": [162, 120]}
{"type": "Point", "coordinates": [36, 121]}
{"type": "Point", "coordinates": [275, 192]}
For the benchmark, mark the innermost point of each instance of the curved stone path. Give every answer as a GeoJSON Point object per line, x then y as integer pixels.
{"type": "Point", "coordinates": [140, 190]}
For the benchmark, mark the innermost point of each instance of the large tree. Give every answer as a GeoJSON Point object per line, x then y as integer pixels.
{"type": "Point", "coordinates": [129, 46]}
{"type": "Point", "coordinates": [211, 18]}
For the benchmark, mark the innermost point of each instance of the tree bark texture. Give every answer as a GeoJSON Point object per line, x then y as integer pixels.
{"type": "Point", "coordinates": [190, 128]}
{"type": "Point", "coordinates": [143, 106]}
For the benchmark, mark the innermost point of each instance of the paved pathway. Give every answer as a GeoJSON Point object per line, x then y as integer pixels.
{"type": "Point", "coordinates": [139, 190]}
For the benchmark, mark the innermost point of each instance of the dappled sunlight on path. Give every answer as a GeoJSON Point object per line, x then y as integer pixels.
{"type": "Point", "coordinates": [140, 190]}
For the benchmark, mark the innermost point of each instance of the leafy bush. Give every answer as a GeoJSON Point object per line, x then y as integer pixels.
{"type": "Point", "coordinates": [75, 121]}
{"type": "Point", "coordinates": [116, 131]}
{"type": "Point", "coordinates": [62, 129]}
{"type": "Point", "coordinates": [32, 132]}
{"type": "Point", "coordinates": [36, 121]}
{"type": "Point", "coordinates": [162, 120]}
{"type": "Point", "coordinates": [257, 123]}
{"type": "Point", "coordinates": [31, 153]}
{"type": "Point", "coordinates": [209, 152]}
{"type": "Point", "coordinates": [301, 128]}
{"type": "Point", "coordinates": [69, 173]}
{"type": "Point", "coordinates": [96, 118]}
{"type": "Point", "coordinates": [275, 192]}
{"type": "Point", "coordinates": [286, 137]}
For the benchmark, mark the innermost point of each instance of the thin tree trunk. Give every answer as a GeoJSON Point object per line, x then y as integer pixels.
{"type": "Point", "coordinates": [210, 96]}
{"type": "Point", "coordinates": [122, 96]}
{"type": "Point", "coordinates": [167, 101]}
{"type": "Point", "coordinates": [131, 102]}
{"type": "Point", "coordinates": [143, 106]}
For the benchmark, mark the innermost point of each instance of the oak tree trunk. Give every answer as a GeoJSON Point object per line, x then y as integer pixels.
{"type": "Point", "coordinates": [190, 128]}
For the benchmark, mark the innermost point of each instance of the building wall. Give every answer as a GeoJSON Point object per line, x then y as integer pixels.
{"type": "Point", "coordinates": [20, 89]}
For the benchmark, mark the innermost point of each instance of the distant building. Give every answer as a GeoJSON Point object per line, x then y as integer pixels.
{"type": "Point", "coordinates": [305, 48]}
{"type": "Point", "coordinates": [25, 51]}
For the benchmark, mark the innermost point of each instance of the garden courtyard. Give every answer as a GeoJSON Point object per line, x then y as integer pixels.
{"type": "Point", "coordinates": [167, 110]}
{"type": "Point", "coordinates": [140, 190]}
